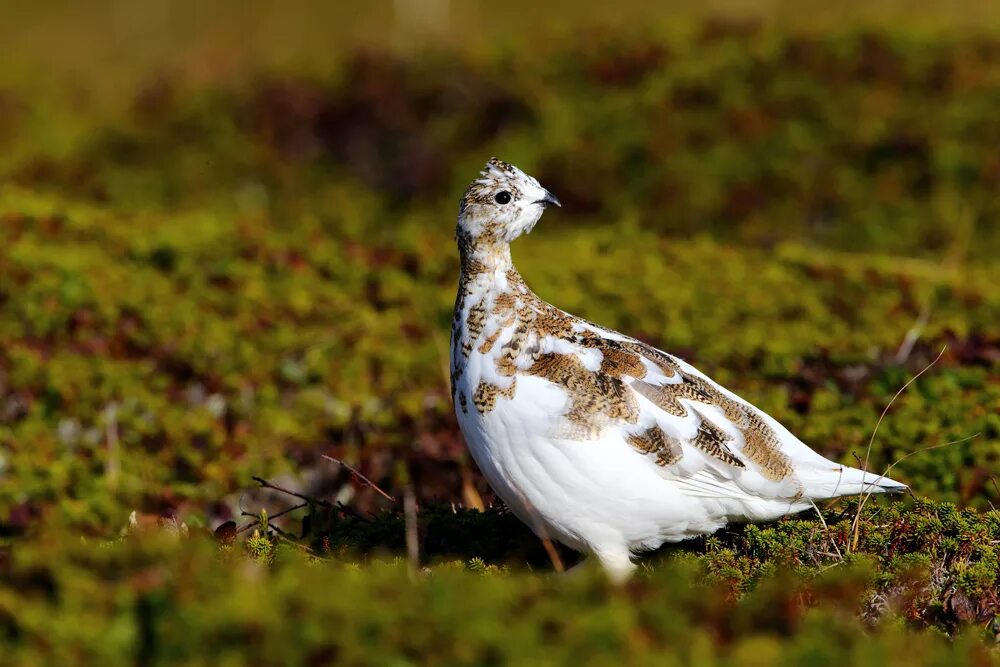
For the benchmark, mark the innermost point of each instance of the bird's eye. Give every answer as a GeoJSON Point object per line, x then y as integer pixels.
{"type": "Point", "coordinates": [502, 197]}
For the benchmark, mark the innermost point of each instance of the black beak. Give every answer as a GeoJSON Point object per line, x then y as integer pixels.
{"type": "Point", "coordinates": [548, 200]}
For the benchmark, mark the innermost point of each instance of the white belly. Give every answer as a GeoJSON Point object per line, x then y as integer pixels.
{"type": "Point", "coordinates": [583, 493]}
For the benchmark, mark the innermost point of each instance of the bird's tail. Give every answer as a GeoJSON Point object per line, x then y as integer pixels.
{"type": "Point", "coordinates": [821, 483]}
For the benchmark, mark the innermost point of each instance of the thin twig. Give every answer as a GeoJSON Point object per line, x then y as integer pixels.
{"type": "Point", "coordinates": [281, 513]}
{"type": "Point", "coordinates": [269, 485]}
{"type": "Point", "coordinates": [350, 511]}
{"type": "Point", "coordinates": [283, 536]}
{"type": "Point", "coordinates": [354, 471]}
{"type": "Point", "coordinates": [280, 533]}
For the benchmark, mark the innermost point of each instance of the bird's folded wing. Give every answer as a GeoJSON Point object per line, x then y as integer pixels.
{"type": "Point", "coordinates": [696, 430]}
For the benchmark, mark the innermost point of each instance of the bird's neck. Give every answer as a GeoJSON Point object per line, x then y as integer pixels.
{"type": "Point", "coordinates": [490, 260]}
{"type": "Point", "coordinates": [483, 256]}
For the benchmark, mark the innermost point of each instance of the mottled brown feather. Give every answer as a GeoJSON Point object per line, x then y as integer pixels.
{"type": "Point", "coordinates": [654, 440]}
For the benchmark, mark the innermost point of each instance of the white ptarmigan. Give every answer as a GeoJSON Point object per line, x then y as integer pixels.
{"type": "Point", "coordinates": [596, 439]}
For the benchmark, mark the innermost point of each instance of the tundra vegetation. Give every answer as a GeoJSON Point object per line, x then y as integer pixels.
{"type": "Point", "coordinates": [228, 257]}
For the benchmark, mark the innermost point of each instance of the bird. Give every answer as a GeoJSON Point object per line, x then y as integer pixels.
{"type": "Point", "coordinates": [594, 438]}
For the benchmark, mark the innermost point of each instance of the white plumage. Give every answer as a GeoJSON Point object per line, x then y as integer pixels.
{"type": "Point", "coordinates": [593, 438]}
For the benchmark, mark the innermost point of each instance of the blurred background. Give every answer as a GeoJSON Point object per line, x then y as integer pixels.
{"type": "Point", "coordinates": [226, 231]}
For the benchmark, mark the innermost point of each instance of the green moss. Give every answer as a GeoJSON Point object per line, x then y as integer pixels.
{"type": "Point", "coordinates": [171, 599]}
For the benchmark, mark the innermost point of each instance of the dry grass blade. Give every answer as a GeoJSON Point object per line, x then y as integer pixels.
{"type": "Point", "coordinates": [444, 361]}
{"type": "Point", "coordinates": [412, 538]}
{"type": "Point", "coordinates": [927, 449]}
{"type": "Point", "coordinates": [885, 411]}
{"type": "Point", "coordinates": [826, 529]}
{"type": "Point", "coordinates": [113, 466]}
{"type": "Point", "coordinates": [856, 524]}
{"type": "Point", "coordinates": [913, 335]}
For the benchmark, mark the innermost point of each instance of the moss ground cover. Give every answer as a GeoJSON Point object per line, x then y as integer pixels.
{"type": "Point", "coordinates": [210, 277]}
{"type": "Point", "coordinates": [767, 595]}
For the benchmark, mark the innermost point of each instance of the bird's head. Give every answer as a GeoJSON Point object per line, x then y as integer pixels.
{"type": "Point", "coordinates": [500, 205]}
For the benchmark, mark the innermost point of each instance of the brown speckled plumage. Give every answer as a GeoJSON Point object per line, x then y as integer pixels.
{"type": "Point", "coordinates": [713, 441]}
{"type": "Point", "coordinates": [486, 395]}
{"type": "Point", "coordinates": [761, 443]}
{"type": "Point", "coordinates": [474, 323]}
{"type": "Point", "coordinates": [668, 450]}
{"type": "Point", "coordinates": [487, 345]}
{"type": "Point", "coordinates": [620, 363]}
{"type": "Point", "coordinates": [593, 397]}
